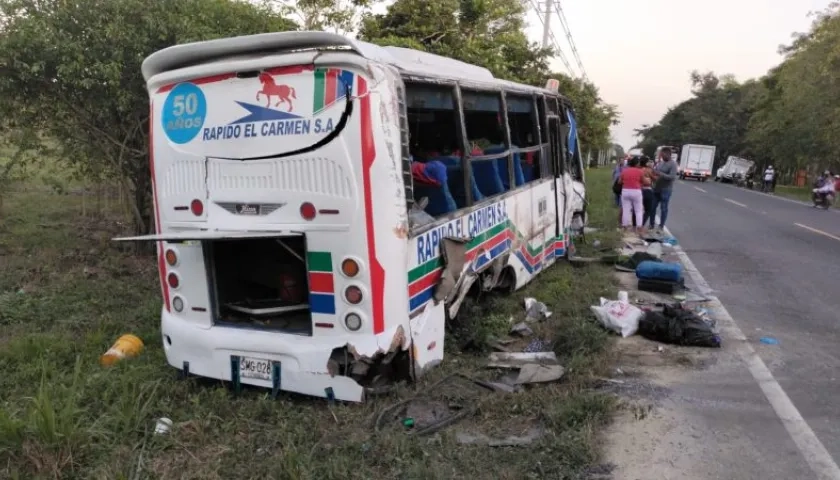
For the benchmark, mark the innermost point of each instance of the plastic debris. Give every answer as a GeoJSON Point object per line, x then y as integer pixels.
{"type": "Point", "coordinates": [127, 346]}
{"type": "Point", "coordinates": [163, 426]}
{"type": "Point", "coordinates": [769, 341]}
{"type": "Point", "coordinates": [535, 310]}
{"type": "Point", "coordinates": [618, 316]}
{"type": "Point", "coordinates": [408, 422]}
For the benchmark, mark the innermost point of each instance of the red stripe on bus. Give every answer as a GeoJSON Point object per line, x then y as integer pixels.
{"type": "Point", "coordinates": [161, 261]}
{"type": "Point", "coordinates": [320, 282]}
{"type": "Point", "coordinates": [423, 283]}
{"type": "Point", "coordinates": [377, 273]}
{"type": "Point", "coordinates": [199, 81]}
{"type": "Point", "coordinates": [330, 88]}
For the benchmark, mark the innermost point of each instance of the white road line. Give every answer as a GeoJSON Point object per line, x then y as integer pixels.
{"type": "Point", "coordinates": [780, 197]}
{"type": "Point", "coordinates": [819, 232]}
{"type": "Point", "coordinates": [700, 189]}
{"type": "Point", "coordinates": [736, 203]}
{"type": "Point", "coordinates": [805, 439]}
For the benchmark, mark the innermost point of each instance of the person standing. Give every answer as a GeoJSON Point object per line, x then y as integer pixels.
{"type": "Point", "coordinates": [769, 175]}
{"type": "Point", "coordinates": [665, 173]}
{"type": "Point", "coordinates": [647, 188]}
{"type": "Point", "coordinates": [631, 195]}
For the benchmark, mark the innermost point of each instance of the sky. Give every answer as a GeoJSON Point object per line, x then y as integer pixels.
{"type": "Point", "coordinates": [640, 52]}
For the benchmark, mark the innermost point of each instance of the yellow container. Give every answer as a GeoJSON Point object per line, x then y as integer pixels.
{"type": "Point", "coordinates": [126, 346]}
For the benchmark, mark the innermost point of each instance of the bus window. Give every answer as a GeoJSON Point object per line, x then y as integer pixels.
{"type": "Point", "coordinates": [434, 147]}
{"type": "Point", "coordinates": [484, 119]}
{"type": "Point", "coordinates": [524, 138]}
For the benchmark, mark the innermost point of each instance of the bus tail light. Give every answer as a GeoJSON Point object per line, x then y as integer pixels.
{"type": "Point", "coordinates": [196, 207]}
{"type": "Point", "coordinates": [353, 295]}
{"type": "Point", "coordinates": [171, 257]}
{"type": "Point", "coordinates": [349, 267]}
{"type": "Point", "coordinates": [173, 280]}
{"type": "Point", "coordinates": [353, 322]}
{"type": "Point", "coordinates": [307, 211]}
{"type": "Point", "coordinates": [178, 304]}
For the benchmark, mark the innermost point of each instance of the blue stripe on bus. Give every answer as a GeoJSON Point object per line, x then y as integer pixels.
{"type": "Point", "coordinates": [345, 79]}
{"type": "Point", "coordinates": [322, 303]}
{"type": "Point", "coordinates": [494, 252]}
{"type": "Point", "coordinates": [421, 298]}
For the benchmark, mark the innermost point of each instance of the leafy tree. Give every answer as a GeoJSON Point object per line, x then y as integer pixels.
{"type": "Point", "coordinates": [339, 16]}
{"type": "Point", "coordinates": [489, 33]}
{"type": "Point", "coordinates": [787, 117]}
{"type": "Point", "coordinates": [70, 71]}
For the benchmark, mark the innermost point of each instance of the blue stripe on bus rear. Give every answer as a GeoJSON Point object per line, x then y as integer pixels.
{"type": "Point", "coordinates": [322, 303]}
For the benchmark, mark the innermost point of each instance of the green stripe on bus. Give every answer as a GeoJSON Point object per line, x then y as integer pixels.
{"type": "Point", "coordinates": [421, 271]}
{"type": "Point", "coordinates": [320, 88]}
{"type": "Point", "coordinates": [319, 261]}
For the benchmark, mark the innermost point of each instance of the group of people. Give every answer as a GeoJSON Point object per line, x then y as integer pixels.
{"type": "Point", "coordinates": [827, 184]}
{"type": "Point", "coordinates": [642, 186]}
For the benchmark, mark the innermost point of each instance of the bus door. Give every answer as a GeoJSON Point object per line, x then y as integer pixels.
{"type": "Point", "coordinates": [562, 180]}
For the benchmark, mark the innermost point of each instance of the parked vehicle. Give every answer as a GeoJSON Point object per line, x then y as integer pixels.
{"type": "Point", "coordinates": [316, 240]}
{"type": "Point", "coordinates": [696, 161]}
{"type": "Point", "coordinates": [734, 167]}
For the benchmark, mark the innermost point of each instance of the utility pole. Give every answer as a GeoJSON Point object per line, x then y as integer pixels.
{"type": "Point", "coordinates": [549, 7]}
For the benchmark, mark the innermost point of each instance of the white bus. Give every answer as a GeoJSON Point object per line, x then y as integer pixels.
{"type": "Point", "coordinates": [290, 172]}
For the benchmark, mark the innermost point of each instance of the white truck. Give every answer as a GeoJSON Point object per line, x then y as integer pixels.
{"type": "Point", "coordinates": [734, 166]}
{"type": "Point", "coordinates": [696, 161]}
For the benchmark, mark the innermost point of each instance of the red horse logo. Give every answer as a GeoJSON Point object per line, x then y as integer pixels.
{"type": "Point", "coordinates": [284, 93]}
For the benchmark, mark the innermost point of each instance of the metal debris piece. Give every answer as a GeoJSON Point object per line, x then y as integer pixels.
{"type": "Point", "coordinates": [522, 329]}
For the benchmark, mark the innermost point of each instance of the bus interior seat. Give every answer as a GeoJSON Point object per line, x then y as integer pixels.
{"type": "Point", "coordinates": [455, 174]}
{"type": "Point", "coordinates": [528, 166]}
{"type": "Point", "coordinates": [487, 176]}
{"type": "Point", "coordinates": [431, 181]}
{"type": "Point", "coordinates": [502, 166]}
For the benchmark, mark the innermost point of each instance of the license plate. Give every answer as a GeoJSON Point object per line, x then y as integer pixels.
{"type": "Point", "coordinates": [259, 368]}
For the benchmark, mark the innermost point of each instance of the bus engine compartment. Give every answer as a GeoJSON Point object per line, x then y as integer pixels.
{"type": "Point", "coordinates": [260, 283]}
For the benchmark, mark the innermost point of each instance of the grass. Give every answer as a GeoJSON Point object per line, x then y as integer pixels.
{"type": "Point", "coordinates": [66, 293]}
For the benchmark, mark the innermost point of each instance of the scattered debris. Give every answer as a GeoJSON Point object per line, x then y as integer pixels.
{"type": "Point", "coordinates": [534, 367]}
{"type": "Point", "coordinates": [162, 426]}
{"type": "Point", "coordinates": [654, 250]}
{"type": "Point", "coordinates": [535, 310]}
{"type": "Point", "coordinates": [596, 243]}
{"type": "Point", "coordinates": [532, 435]}
{"type": "Point", "coordinates": [522, 329]}
{"type": "Point", "coordinates": [678, 326]}
{"type": "Point", "coordinates": [127, 346]}
{"type": "Point", "coordinates": [769, 341]}
{"type": "Point", "coordinates": [537, 345]}
{"type": "Point", "coordinates": [618, 316]}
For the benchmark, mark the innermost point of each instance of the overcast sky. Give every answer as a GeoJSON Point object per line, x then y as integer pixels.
{"type": "Point", "coordinates": [640, 52]}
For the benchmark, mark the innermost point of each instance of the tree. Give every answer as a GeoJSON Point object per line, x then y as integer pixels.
{"type": "Point", "coordinates": [339, 16]}
{"type": "Point", "coordinates": [489, 33]}
{"type": "Point", "coordinates": [787, 117]}
{"type": "Point", "coordinates": [70, 72]}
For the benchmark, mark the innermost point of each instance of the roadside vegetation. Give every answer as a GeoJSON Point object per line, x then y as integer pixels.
{"type": "Point", "coordinates": [74, 174]}
{"type": "Point", "coordinates": [785, 118]}
{"type": "Point", "coordinates": [67, 292]}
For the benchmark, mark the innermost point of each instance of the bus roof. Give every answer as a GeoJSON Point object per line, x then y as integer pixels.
{"type": "Point", "coordinates": [408, 61]}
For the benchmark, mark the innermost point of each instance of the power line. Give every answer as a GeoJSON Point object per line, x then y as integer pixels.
{"type": "Point", "coordinates": [548, 34]}
{"type": "Point", "coordinates": [565, 25]}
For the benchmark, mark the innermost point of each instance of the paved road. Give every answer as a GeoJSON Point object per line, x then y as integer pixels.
{"type": "Point", "coordinates": [775, 265]}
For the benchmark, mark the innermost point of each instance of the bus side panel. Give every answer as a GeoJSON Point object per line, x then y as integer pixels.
{"type": "Point", "coordinates": [386, 215]}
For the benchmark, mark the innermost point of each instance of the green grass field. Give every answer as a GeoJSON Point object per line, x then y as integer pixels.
{"type": "Point", "coordinates": [67, 292]}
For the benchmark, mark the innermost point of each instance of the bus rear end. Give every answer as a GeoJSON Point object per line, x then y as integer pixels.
{"type": "Point", "coordinates": [268, 189]}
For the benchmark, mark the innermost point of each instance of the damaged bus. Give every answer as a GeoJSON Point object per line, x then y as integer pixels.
{"type": "Point", "coordinates": [323, 205]}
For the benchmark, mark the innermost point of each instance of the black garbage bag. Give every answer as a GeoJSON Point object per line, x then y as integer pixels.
{"type": "Point", "coordinates": [678, 326]}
